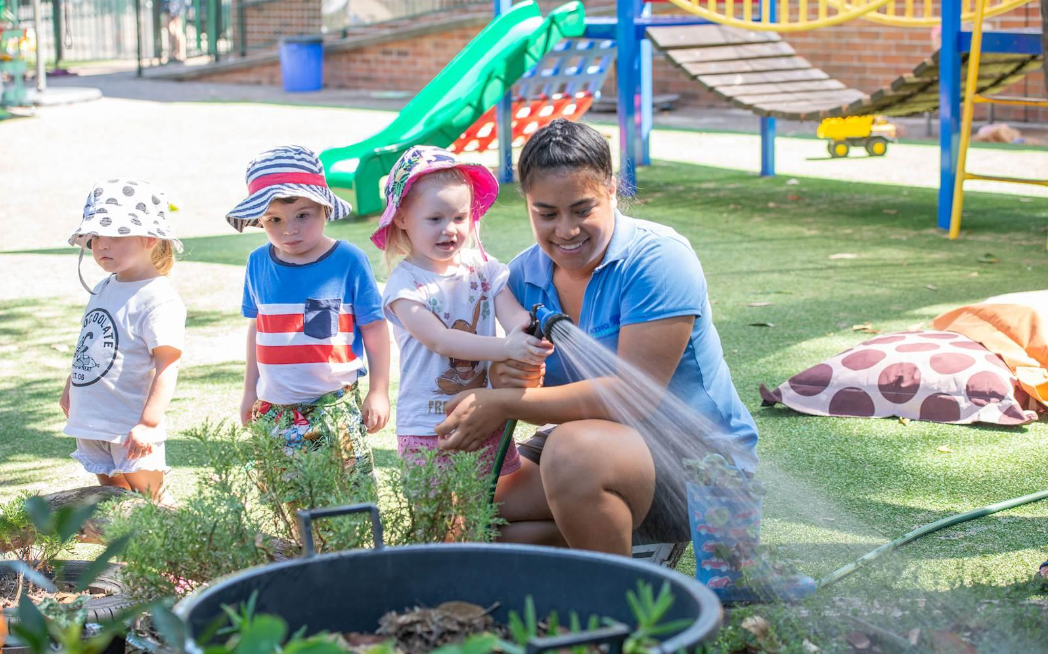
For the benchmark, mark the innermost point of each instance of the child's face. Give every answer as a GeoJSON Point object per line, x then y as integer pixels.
{"type": "Point", "coordinates": [296, 229]}
{"type": "Point", "coordinates": [128, 257]}
{"type": "Point", "coordinates": [572, 217]}
{"type": "Point", "coordinates": [436, 219]}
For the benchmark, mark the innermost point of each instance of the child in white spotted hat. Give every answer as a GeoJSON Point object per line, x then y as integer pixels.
{"type": "Point", "coordinates": [126, 359]}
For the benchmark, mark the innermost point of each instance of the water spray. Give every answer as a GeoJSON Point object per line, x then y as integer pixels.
{"type": "Point", "coordinates": [541, 325]}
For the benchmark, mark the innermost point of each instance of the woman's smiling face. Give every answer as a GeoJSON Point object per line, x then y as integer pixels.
{"type": "Point", "coordinates": [573, 217]}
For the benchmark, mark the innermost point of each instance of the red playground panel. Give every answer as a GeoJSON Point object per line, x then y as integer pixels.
{"type": "Point", "coordinates": [528, 117]}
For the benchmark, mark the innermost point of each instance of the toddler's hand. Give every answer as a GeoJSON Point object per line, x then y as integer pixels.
{"type": "Point", "coordinates": [375, 410]}
{"type": "Point", "coordinates": [521, 346]}
{"type": "Point", "coordinates": [139, 441]}
{"type": "Point", "coordinates": [247, 404]}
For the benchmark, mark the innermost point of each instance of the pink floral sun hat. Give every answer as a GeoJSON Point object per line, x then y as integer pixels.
{"type": "Point", "coordinates": [420, 160]}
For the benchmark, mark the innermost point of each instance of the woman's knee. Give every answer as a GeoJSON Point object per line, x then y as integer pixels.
{"type": "Point", "coordinates": [595, 456]}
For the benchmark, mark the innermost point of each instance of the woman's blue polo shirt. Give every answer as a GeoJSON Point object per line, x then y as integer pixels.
{"type": "Point", "coordinates": [649, 273]}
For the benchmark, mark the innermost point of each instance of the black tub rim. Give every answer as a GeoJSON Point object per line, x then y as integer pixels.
{"type": "Point", "coordinates": [704, 627]}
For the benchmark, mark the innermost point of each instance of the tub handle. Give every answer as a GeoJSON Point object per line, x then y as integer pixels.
{"type": "Point", "coordinates": [305, 520]}
{"type": "Point", "coordinates": [614, 635]}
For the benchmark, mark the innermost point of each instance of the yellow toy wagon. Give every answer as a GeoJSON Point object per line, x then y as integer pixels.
{"type": "Point", "coordinates": [871, 132]}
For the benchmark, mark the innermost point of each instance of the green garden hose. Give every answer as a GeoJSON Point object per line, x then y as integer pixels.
{"type": "Point", "coordinates": [911, 536]}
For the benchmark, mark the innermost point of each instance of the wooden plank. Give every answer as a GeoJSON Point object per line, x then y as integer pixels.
{"type": "Point", "coordinates": [771, 89]}
{"type": "Point", "coordinates": [706, 36]}
{"type": "Point", "coordinates": [746, 66]}
{"type": "Point", "coordinates": [824, 99]}
{"type": "Point", "coordinates": [741, 79]}
{"type": "Point", "coordinates": [728, 52]}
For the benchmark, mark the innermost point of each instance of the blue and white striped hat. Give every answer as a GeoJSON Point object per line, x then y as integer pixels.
{"type": "Point", "coordinates": [289, 171]}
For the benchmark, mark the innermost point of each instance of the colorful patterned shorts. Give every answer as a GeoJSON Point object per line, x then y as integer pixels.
{"type": "Point", "coordinates": [332, 418]}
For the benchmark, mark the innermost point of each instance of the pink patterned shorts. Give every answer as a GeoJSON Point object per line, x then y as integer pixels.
{"type": "Point", "coordinates": [406, 445]}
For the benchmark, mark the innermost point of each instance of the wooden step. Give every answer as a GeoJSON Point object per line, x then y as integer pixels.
{"type": "Point", "coordinates": [729, 52]}
{"type": "Point", "coordinates": [706, 36]}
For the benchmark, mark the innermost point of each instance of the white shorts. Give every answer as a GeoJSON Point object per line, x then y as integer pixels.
{"type": "Point", "coordinates": [110, 459]}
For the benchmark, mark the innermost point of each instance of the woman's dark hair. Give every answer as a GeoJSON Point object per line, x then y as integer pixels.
{"type": "Point", "coordinates": [564, 145]}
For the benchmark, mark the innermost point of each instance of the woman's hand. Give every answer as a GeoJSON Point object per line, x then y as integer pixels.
{"type": "Point", "coordinates": [472, 417]}
{"type": "Point", "coordinates": [516, 374]}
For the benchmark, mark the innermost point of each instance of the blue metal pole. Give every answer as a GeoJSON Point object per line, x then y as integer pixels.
{"type": "Point", "coordinates": [768, 124]}
{"type": "Point", "coordinates": [949, 107]}
{"type": "Point", "coordinates": [628, 63]}
{"type": "Point", "coordinates": [646, 96]}
{"type": "Point", "coordinates": [504, 119]}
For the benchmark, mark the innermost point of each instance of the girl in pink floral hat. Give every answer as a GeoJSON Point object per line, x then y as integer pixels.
{"type": "Point", "coordinates": [444, 294]}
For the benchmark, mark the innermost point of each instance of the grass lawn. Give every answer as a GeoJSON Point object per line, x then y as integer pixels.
{"type": "Point", "coordinates": [838, 487]}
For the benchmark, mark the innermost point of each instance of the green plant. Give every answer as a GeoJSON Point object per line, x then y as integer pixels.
{"type": "Point", "coordinates": [715, 471]}
{"type": "Point", "coordinates": [434, 499]}
{"type": "Point", "coordinates": [20, 535]}
{"type": "Point", "coordinates": [172, 550]}
{"type": "Point", "coordinates": [63, 624]}
{"type": "Point", "coordinates": [649, 611]}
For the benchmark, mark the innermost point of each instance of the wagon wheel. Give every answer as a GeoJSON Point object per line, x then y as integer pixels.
{"type": "Point", "coordinates": [838, 149]}
{"type": "Point", "coordinates": [877, 146]}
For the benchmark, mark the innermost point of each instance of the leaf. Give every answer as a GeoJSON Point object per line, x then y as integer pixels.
{"type": "Point", "coordinates": [866, 328]}
{"type": "Point", "coordinates": [39, 513]}
{"type": "Point", "coordinates": [950, 643]}
{"type": "Point", "coordinates": [858, 640]}
{"type": "Point", "coordinates": [319, 646]}
{"type": "Point", "coordinates": [772, 205]}
{"type": "Point", "coordinates": [759, 304]}
{"type": "Point", "coordinates": [169, 626]}
{"type": "Point", "coordinates": [944, 448]}
{"type": "Point", "coordinates": [68, 521]}
{"type": "Point", "coordinates": [987, 258]}
{"type": "Point", "coordinates": [890, 212]}
{"type": "Point", "coordinates": [793, 197]}
{"type": "Point", "coordinates": [810, 647]}
{"type": "Point", "coordinates": [905, 421]}
{"type": "Point", "coordinates": [844, 255]}
{"type": "Point", "coordinates": [759, 627]}
{"type": "Point", "coordinates": [793, 181]}
{"type": "Point", "coordinates": [31, 626]}
{"type": "Point", "coordinates": [974, 274]}
{"type": "Point", "coordinates": [931, 287]}
{"type": "Point", "coordinates": [762, 324]}
{"type": "Point", "coordinates": [262, 635]}
{"type": "Point", "coordinates": [94, 568]}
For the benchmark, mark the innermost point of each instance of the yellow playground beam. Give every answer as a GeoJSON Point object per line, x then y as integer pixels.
{"type": "Point", "coordinates": [898, 13]}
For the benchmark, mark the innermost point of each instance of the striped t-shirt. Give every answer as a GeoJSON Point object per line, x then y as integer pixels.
{"type": "Point", "coordinates": [308, 320]}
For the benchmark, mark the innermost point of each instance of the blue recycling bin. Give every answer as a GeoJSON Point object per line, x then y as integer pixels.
{"type": "Point", "coordinates": [302, 63]}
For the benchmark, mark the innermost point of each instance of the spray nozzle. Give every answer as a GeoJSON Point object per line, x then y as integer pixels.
{"type": "Point", "coordinates": [543, 320]}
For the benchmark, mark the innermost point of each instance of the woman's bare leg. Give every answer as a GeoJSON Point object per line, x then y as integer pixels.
{"type": "Point", "coordinates": [599, 482]}
{"type": "Point", "coordinates": [522, 503]}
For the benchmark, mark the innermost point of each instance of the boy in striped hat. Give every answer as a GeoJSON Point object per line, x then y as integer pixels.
{"type": "Point", "coordinates": [314, 311]}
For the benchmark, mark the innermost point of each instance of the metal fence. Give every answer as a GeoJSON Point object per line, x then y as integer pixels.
{"type": "Point", "coordinates": [109, 30]}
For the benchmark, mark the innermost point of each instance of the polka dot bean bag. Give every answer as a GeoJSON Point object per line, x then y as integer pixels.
{"type": "Point", "coordinates": [922, 375]}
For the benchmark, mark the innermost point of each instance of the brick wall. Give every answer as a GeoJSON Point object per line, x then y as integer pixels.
{"type": "Point", "coordinates": [267, 21]}
{"type": "Point", "coordinates": [403, 65]}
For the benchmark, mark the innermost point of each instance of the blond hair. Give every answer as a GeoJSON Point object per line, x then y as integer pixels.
{"type": "Point", "coordinates": [398, 245]}
{"type": "Point", "coordinates": [163, 256]}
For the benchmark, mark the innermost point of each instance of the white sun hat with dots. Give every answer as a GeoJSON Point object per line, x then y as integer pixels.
{"type": "Point", "coordinates": [125, 207]}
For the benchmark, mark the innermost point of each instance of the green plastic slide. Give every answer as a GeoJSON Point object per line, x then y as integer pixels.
{"type": "Point", "coordinates": [468, 86]}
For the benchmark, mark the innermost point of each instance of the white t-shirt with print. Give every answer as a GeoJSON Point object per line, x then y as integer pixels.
{"type": "Point", "coordinates": [113, 365]}
{"type": "Point", "coordinates": [463, 298]}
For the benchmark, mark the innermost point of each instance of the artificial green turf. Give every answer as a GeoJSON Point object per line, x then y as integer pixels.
{"type": "Point", "coordinates": [838, 487]}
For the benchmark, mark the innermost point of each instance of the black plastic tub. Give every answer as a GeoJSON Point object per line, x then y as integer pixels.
{"type": "Point", "coordinates": [350, 591]}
